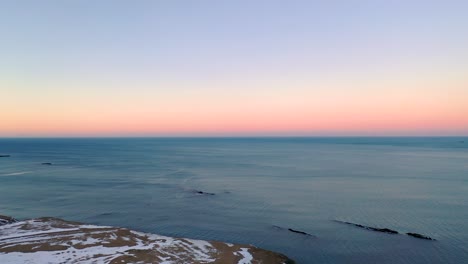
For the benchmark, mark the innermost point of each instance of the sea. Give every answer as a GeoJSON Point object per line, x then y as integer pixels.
{"type": "Point", "coordinates": [253, 190]}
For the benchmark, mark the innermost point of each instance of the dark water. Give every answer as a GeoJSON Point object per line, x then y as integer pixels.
{"type": "Point", "coordinates": [407, 184]}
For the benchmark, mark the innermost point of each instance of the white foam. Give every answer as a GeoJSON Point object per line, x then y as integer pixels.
{"type": "Point", "coordinates": [16, 173]}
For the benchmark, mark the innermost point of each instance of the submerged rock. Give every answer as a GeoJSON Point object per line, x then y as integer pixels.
{"type": "Point", "coordinates": [205, 193]}
{"type": "Point", "coordinates": [59, 241]}
{"type": "Point", "coordinates": [383, 230]}
{"type": "Point", "coordinates": [386, 230]}
{"type": "Point", "coordinates": [416, 235]}
{"type": "Point", "coordinates": [294, 231]}
{"type": "Point", "coordinates": [299, 232]}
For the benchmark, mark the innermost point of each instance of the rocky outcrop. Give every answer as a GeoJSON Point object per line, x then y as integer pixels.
{"type": "Point", "coordinates": [6, 220]}
{"type": "Point", "coordinates": [416, 235]}
{"type": "Point", "coordinates": [294, 231]}
{"type": "Point", "coordinates": [385, 230]}
{"type": "Point", "coordinates": [52, 240]}
{"type": "Point", "coordinates": [299, 232]}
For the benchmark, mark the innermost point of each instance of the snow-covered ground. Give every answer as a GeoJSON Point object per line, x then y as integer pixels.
{"type": "Point", "coordinates": [51, 240]}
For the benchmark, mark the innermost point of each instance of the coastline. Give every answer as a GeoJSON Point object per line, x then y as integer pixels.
{"type": "Point", "coordinates": [53, 240]}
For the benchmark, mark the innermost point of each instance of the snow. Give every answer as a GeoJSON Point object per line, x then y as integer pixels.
{"type": "Point", "coordinates": [247, 257]}
{"type": "Point", "coordinates": [95, 250]}
{"type": "Point", "coordinates": [52, 240]}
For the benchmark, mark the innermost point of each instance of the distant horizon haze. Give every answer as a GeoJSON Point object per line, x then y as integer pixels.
{"type": "Point", "coordinates": [233, 68]}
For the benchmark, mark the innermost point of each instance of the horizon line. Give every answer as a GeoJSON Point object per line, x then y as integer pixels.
{"type": "Point", "coordinates": [238, 136]}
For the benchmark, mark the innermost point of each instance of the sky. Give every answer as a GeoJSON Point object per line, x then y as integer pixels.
{"type": "Point", "coordinates": [233, 68]}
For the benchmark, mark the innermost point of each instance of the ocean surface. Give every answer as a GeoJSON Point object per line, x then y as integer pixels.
{"type": "Point", "coordinates": [150, 184]}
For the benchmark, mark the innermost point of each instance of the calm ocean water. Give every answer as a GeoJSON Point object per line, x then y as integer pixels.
{"type": "Point", "coordinates": [148, 184]}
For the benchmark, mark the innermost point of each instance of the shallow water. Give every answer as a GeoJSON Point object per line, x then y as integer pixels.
{"type": "Point", "coordinates": [148, 184]}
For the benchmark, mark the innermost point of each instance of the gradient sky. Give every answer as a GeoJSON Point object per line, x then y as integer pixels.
{"type": "Point", "coordinates": [244, 67]}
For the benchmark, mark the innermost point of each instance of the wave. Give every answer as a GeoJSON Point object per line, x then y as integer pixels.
{"type": "Point", "coordinates": [16, 173]}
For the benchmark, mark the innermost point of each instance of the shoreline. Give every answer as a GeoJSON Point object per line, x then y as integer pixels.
{"type": "Point", "coordinates": [53, 240]}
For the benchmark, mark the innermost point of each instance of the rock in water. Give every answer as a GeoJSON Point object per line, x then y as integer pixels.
{"type": "Point", "coordinates": [416, 235]}
{"type": "Point", "coordinates": [294, 231]}
{"type": "Point", "coordinates": [299, 232]}
{"type": "Point", "coordinates": [57, 241]}
{"type": "Point", "coordinates": [383, 230]}
{"type": "Point", "coordinates": [205, 193]}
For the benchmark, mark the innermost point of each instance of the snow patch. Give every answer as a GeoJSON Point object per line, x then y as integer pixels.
{"type": "Point", "coordinates": [246, 256]}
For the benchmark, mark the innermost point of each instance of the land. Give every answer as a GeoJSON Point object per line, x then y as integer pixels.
{"type": "Point", "coordinates": [53, 240]}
